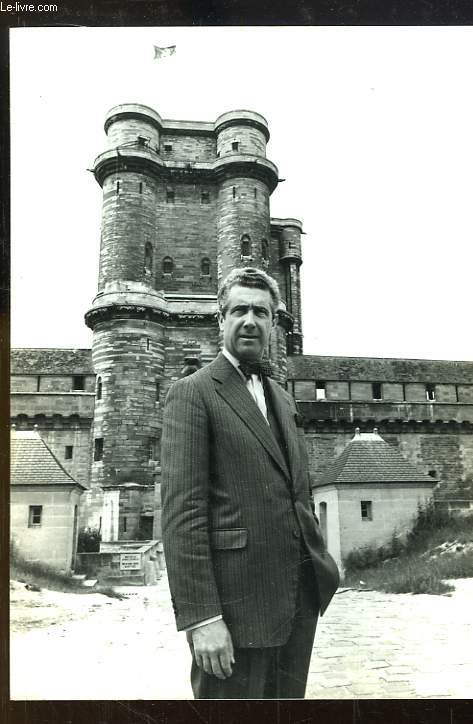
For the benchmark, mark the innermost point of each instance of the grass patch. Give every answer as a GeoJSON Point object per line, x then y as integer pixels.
{"type": "Point", "coordinates": [412, 565]}
{"type": "Point", "coordinates": [43, 576]}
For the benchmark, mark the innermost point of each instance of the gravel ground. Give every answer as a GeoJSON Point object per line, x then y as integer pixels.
{"type": "Point", "coordinates": [369, 645]}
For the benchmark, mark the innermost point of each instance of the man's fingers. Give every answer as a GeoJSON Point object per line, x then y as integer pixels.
{"type": "Point", "coordinates": [216, 667]}
{"type": "Point", "coordinates": [206, 664]}
{"type": "Point", "coordinates": [226, 664]}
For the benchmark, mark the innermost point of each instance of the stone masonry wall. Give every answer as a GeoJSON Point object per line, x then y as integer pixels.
{"type": "Point", "coordinates": [186, 231]}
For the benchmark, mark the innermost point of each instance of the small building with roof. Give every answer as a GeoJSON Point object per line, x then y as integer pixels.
{"type": "Point", "coordinates": [369, 493]}
{"type": "Point", "coordinates": [44, 503]}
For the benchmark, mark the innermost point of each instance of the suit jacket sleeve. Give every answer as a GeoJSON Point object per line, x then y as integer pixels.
{"type": "Point", "coordinates": [185, 485]}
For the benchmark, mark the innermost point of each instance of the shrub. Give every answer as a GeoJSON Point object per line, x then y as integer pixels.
{"type": "Point", "coordinates": [89, 540]}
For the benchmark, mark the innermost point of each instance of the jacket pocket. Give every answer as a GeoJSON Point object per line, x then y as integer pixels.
{"type": "Point", "coordinates": [228, 538]}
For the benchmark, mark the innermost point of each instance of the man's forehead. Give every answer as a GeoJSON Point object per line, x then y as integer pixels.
{"type": "Point", "coordinates": [249, 295]}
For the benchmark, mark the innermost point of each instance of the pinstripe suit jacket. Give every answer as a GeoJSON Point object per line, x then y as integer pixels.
{"type": "Point", "coordinates": [234, 510]}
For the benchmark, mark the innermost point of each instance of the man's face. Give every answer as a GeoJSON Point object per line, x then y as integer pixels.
{"type": "Point", "coordinates": [247, 322]}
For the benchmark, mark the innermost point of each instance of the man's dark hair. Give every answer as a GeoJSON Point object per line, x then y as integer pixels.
{"type": "Point", "coordinates": [248, 277]}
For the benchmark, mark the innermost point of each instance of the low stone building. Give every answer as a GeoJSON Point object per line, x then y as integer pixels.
{"type": "Point", "coordinates": [368, 494]}
{"type": "Point", "coordinates": [44, 503]}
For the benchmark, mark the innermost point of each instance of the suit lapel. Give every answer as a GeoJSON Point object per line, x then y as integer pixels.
{"type": "Point", "coordinates": [285, 416]}
{"type": "Point", "coordinates": [232, 389]}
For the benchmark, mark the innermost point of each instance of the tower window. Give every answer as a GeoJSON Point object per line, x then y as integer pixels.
{"type": "Point", "coordinates": [205, 267]}
{"type": "Point", "coordinates": [38, 385]}
{"type": "Point", "coordinates": [265, 249]}
{"type": "Point", "coordinates": [366, 510]}
{"type": "Point", "coordinates": [255, 192]}
{"type": "Point", "coordinates": [430, 392]}
{"type": "Point", "coordinates": [35, 514]}
{"type": "Point", "coordinates": [167, 148]}
{"type": "Point", "coordinates": [170, 196]}
{"type": "Point", "coordinates": [148, 258]}
{"type": "Point", "coordinates": [153, 448]}
{"type": "Point", "coordinates": [98, 449]}
{"type": "Point", "coordinates": [320, 390]}
{"type": "Point", "coordinates": [118, 187]}
{"type": "Point", "coordinates": [205, 197]}
{"type": "Point", "coordinates": [235, 145]}
{"type": "Point", "coordinates": [158, 390]}
{"type": "Point", "coordinates": [168, 265]}
{"type": "Point", "coordinates": [148, 344]}
{"type": "Point", "coordinates": [140, 187]}
{"type": "Point", "coordinates": [123, 522]}
{"type": "Point", "coordinates": [245, 246]}
{"type": "Point", "coordinates": [78, 382]}
{"type": "Point", "coordinates": [234, 192]}
{"type": "Point", "coordinates": [143, 140]}
{"type": "Point", "coordinates": [68, 452]}
{"type": "Point", "coordinates": [98, 393]}
{"type": "Point", "coordinates": [377, 393]}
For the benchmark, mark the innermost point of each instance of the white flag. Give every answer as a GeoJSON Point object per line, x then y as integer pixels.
{"type": "Point", "coordinates": [163, 52]}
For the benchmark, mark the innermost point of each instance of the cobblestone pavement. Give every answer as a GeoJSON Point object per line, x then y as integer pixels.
{"type": "Point", "coordinates": [368, 645]}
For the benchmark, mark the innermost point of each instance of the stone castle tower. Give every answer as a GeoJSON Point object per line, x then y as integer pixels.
{"type": "Point", "coordinates": [183, 204]}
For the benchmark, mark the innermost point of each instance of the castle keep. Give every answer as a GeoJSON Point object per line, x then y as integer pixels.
{"type": "Point", "coordinates": [184, 203]}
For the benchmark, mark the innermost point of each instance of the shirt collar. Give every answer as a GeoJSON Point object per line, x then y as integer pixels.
{"type": "Point", "coordinates": [234, 361]}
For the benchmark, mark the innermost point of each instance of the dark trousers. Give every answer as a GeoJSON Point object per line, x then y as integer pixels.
{"type": "Point", "coordinates": [277, 672]}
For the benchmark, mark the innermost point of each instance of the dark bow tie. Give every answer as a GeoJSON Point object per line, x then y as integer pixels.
{"type": "Point", "coordinates": [256, 368]}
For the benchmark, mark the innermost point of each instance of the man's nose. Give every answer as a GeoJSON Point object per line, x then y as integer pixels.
{"type": "Point", "coordinates": [249, 320]}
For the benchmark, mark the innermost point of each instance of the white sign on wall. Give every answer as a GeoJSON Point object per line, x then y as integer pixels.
{"type": "Point", "coordinates": [130, 561]}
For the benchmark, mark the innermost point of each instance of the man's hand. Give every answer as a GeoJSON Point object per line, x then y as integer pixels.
{"type": "Point", "coordinates": [213, 648]}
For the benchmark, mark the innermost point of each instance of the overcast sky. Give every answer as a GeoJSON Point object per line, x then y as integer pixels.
{"type": "Point", "coordinates": [370, 127]}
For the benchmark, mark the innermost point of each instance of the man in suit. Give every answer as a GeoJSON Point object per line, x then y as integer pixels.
{"type": "Point", "coordinates": [247, 565]}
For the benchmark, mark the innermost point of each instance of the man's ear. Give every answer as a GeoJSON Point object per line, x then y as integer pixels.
{"type": "Point", "coordinates": [220, 320]}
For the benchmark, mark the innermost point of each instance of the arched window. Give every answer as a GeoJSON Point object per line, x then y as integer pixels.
{"type": "Point", "coordinates": [148, 258]}
{"type": "Point", "coordinates": [245, 246]}
{"type": "Point", "coordinates": [98, 394]}
{"type": "Point", "coordinates": [205, 267]}
{"type": "Point", "coordinates": [168, 265]}
{"type": "Point", "coordinates": [265, 249]}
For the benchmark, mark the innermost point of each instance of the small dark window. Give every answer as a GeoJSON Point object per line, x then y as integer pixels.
{"type": "Point", "coordinates": [98, 394]}
{"type": "Point", "coordinates": [158, 390]}
{"type": "Point", "coordinates": [68, 452]}
{"type": "Point", "coordinates": [98, 449]}
{"type": "Point", "coordinates": [205, 197]}
{"type": "Point", "coordinates": [153, 448]}
{"type": "Point", "coordinates": [265, 249]}
{"type": "Point", "coordinates": [148, 344]}
{"type": "Point", "coordinates": [430, 392]}
{"type": "Point", "coordinates": [377, 392]}
{"type": "Point", "coordinates": [118, 187]}
{"type": "Point", "coordinates": [235, 146]}
{"type": "Point", "coordinates": [433, 473]}
{"type": "Point", "coordinates": [123, 522]}
{"type": "Point", "coordinates": [234, 191]}
{"type": "Point", "coordinates": [320, 392]}
{"type": "Point", "coordinates": [143, 140]}
{"type": "Point", "coordinates": [366, 510]}
{"type": "Point", "coordinates": [148, 258]}
{"type": "Point", "coordinates": [205, 267]}
{"type": "Point", "coordinates": [254, 192]}
{"type": "Point", "coordinates": [168, 265]}
{"type": "Point", "coordinates": [245, 246]}
{"type": "Point", "coordinates": [167, 148]}
{"type": "Point", "coordinates": [38, 384]}
{"type": "Point", "coordinates": [140, 187]}
{"type": "Point", "coordinates": [169, 196]}
{"type": "Point", "coordinates": [35, 515]}
{"type": "Point", "coordinates": [78, 382]}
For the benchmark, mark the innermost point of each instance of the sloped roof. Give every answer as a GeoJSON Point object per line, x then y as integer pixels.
{"type": "Point", "coordinates": [379, 369]}
{"type": "Point", "coordinates": [369, 459]}
{"type": "Point", "coordinates": [46, 361]}
{"type": "Point", "coordinates": [33, 463]}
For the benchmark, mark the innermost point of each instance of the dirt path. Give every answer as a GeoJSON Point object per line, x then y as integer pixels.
{"type": "Point", "coordinates": [368, 645]}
